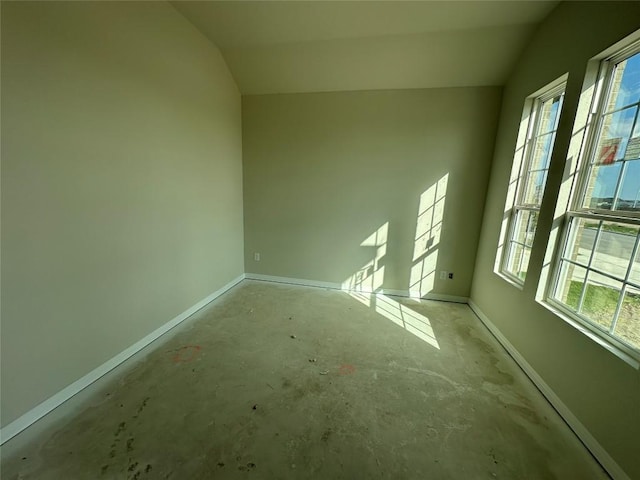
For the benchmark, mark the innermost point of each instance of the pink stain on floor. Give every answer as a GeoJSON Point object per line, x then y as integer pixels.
{"type": "Point", "coordinates": [346, 369]}
{"type": "Point", "coordinates": [186, 353]}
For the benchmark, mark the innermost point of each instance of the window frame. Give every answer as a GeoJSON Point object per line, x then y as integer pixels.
{"type": "Point", "coordinates": [605, 78]}
{"type": "Point", "coordinates": [532, 111]}
{"type": "Point", "coordinates": [576, 210]}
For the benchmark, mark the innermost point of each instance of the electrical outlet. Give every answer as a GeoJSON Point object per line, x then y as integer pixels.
{"type": "Point", "coordinates": [443, 275]}
{"type": "Point", "coordinates": [450, 275]}
{"type": "Point", "coordinates": [256, 257]}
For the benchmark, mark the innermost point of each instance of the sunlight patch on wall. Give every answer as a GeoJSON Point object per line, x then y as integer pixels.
{"type": "Point", "coordinates": [423, 275]}
{"type": "Point", "coordinates": [427, 237]}
{"type": "Point", "coordinates": [370, 277]}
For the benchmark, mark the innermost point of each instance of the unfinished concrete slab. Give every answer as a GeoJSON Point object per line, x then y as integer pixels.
{"type": "Point", "coordinates": [282, 381]}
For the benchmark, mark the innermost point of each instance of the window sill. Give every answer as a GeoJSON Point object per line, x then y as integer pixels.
{"type": "Point", "coordinates": [618, 352]}
{"type": "Point", "coordinates": [514, 281]}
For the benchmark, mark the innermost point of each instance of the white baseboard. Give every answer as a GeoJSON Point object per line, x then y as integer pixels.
{"type": "Point", "coordinates": [441, 297]}
{"type": "Point", "coordinates": [608, 463]}
{"type": "Point", "coordinates": [292, 281]}
{"type": "Point", "coordinates": [36, 413]}
{"type": "Point", "coordinates": [337, 286]}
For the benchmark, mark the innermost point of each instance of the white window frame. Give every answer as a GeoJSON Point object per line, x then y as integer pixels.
{"type": "Point", "coordinates": [576, 211]}
{"type": "Point", "coordinates": [521, 169]}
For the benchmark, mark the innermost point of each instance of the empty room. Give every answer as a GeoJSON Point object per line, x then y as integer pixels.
{"type": "Point", "coordinates": [320, 239]}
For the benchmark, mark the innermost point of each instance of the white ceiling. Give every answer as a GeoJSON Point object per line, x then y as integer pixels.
{"type": "Point", "coordinates": [314, 46]}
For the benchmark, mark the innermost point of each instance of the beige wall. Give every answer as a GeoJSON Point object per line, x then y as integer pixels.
{"type": "Point", "coordinates": [121, 184]}
{"type": "Point", "coordinates": [600, 389]}
{"type": "Point", "coordinates": [322, 172]}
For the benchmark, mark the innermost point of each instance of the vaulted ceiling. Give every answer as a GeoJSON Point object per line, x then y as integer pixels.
{"type": "Point", "coordinates": [314, 46]}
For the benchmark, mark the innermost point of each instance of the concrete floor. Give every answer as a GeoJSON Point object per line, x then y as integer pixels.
{"type": "Point", "coordinates": [233, 395]}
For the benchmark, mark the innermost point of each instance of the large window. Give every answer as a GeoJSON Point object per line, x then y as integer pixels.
{"type": "Point", "coordinates": [597, 271]}
{"type": "Point", "coordinates": [529, 176]}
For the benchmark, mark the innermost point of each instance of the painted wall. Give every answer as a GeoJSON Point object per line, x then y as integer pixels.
{"type": "Point", "coordinates": [601, 390]}
{"type": "Point", "coordinates": [121, 184]}
{"type": "Point", "coordinates": [324, 172]}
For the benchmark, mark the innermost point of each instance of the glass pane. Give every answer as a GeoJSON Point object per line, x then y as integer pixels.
{"type": "Point", "coordinates": [602, 186]}
{"type": "Point", "coordinates": [534, 187]}
{"type": "Point", "coordinates": [633, 147]}
{"type": "Point", "coordinates": [625, 89]}
{"type": "Point", "coordinates": [549, 115]}
{"type": "Point", "coordinates": [614, 136]}
{"type": "Point", "coordinates": [628, 325]}
{"type": "Point", "coordinates": [525, 227]}
{"type": "Point", "coordinates": [629, 197]}
{"type": "Point", "coordinates": [569, 287]}
{"type": "Point", "coordinates": [601, 299]}
{"type": "Point", "coordinates": [541, 151]}
{"type": "Point", "coordinates": [614, 248]}
{"type": "Point", "coordinates": [532, 223]}
{"type": "Point", "coordinates": [634, 275]}
{"type": "Point", "coordinates": [518, 260]}
{"type": "Point", "coordinates": [582, 235]}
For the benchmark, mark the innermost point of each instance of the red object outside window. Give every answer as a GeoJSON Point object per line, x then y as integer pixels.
{"type": "Point", "coordinates": [608, 154]}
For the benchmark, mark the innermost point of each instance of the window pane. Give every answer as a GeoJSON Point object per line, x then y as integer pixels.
{"type": "Point", "coordinates": [581, 239]}
{"type": "Point", "coordinates": [541, 153]}
{"type": "Point", "coordinates": [534, 187]}
{"type": "Point", "coordinates": [633, 147]}
{"type": "Point", "coordinates": [628, 325]}
{"type": "Point", "coordinates": [520, 245]}
{"type": "Point", "coordinates": [629, 197]}
{"type": "Point", "coordinates": [614, 248]}
{"type": "Point", "coordinates": [634, 275]}
{"type": "Point", "coordinates": [614, 136]}
{"type": "Point", "coordinates": [602, 186]}
{"type": "Point", "coordinates": [549, 115]}
{"type": "Point", "coordinates": [518, 260]}
{"type": "Point", "coordinates": [601, 299]}
{"type": "Point", "coordinates": [625, 88]}
{"type": "Point", "coordinates": [525, 227]}
{"type": "Point", "coordinates": [569, 286]}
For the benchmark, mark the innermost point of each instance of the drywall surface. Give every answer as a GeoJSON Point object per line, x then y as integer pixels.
{"type": "Point", "coordinates": [376, 189]}
{"type": "Point", "coordinates": [600, 389]}
{"type": "Point", "coordinates": [121, 184]}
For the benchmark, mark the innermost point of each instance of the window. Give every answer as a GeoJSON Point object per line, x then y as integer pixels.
{"type": "Point", "coordinates": [529, 176]}
{"type": "Point", "coordinates": [597, 271]}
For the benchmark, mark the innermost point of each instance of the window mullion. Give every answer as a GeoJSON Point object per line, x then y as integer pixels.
{"type": "Point", "coordinates": [528, 153]}
{"type": "Point", "coordinates": [596, 119]}
{"type": "Point", "coordinates": [591, 255]}
{"type": "Point", "coordinates": [519, 269]}
{"type": "Point", "coordinates": [621, 216]}
{"type": "Point", "coordinates": [584, 170]}
{"type": "Point", "coordinates": [616, 110]}
{"type": "Point", "coordinates": [616, 192]}
{"type": "Point", "coordinates": [633, 125]}
{"type": "Point", "coordinates": [528, 207]}
{"type": "Point", "coordinates": [634, 252]}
